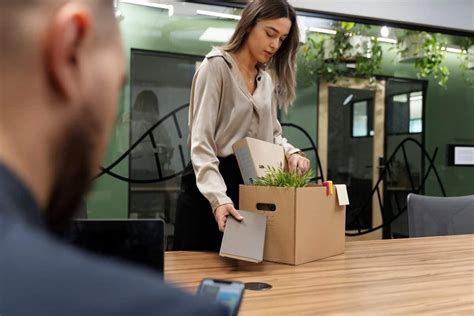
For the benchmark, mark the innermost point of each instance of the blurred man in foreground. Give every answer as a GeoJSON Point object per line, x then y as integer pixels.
{"type": "Point", "coordinates": [61, 68]}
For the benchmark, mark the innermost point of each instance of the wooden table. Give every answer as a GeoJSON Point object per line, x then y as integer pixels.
{"type": "Point", "coordinates": [397, 276]}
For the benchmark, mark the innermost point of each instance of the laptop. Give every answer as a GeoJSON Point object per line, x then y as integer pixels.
{"type": "Point", "coordinates": [137, 241]}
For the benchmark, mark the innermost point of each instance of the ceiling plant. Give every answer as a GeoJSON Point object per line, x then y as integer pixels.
{"type": "Point", "coordinates": [467, 60]}
{"type": "Point", "coordinates": [427, 51]}
{"type": "Point", "coordinates": [347, 52]}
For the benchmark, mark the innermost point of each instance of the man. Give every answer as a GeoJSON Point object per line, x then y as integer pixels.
{"type": "Point", "coordinates": [61, 69]}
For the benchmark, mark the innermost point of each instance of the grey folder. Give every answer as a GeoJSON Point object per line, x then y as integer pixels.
{"type": "Point", "coordinates": [244, 240]}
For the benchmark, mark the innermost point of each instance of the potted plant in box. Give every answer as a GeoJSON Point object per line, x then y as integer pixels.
{"type": "Point", "coordinates": [277, 177]}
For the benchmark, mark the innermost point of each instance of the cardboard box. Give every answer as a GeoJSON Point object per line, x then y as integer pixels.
{"type": "Point", "coordinates": [254, 156]}
{"type": "Point", "coordinates": [303, 224]}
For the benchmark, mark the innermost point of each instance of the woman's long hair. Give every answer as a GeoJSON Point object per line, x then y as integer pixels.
{"type": "Point", "coordinates": [282, 66]}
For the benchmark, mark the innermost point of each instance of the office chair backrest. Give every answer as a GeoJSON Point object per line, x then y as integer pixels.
{"type": "Point", "coordinates": [438, 216]}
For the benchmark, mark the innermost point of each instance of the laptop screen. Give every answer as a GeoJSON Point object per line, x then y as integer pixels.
{"type": "Point", "coordinates": [139, 241]}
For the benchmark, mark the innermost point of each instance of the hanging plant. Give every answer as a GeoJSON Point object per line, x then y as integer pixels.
{"type": "Point", "coordinates": [467, 60]}
{"type": "Point", "coordinates": [427, 51]}
{"type": "Point", "coordinates": [318, 62]}
{"type": "Point", "coordinates": [347, 52]}
{"type": "Point", "coordinates": [410, 46]}
{"type": "Point", "coordinates": [366, 67]}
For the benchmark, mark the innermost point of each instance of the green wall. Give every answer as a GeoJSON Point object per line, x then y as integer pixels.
{"type": "Point", "coordinates": [449, 118]}
{"type": "Point", "coordinates": [149, 29]}
{"type": "Point", "coordinates": [449, 112]}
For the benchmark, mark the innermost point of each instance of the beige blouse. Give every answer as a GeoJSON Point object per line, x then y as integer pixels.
{"type": "Point", "coordinates": [221, 112]}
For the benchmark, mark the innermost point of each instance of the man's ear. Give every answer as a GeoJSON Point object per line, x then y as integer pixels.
{"type": "Point", "coordinates": [69, 30]}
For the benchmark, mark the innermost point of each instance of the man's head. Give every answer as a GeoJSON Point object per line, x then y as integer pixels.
{"type": "Point", "coordinates": [61, 70]}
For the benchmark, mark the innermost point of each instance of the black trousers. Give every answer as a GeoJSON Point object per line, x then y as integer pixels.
{"type": "Point", "coordinates": [196, 228]}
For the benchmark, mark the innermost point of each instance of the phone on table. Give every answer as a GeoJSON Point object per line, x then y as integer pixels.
{"type": "Point", "coordinates": [226, 292]}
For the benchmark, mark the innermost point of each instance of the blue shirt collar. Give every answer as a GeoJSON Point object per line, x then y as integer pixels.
{"type": "Point", "coordinates": [16, 199]}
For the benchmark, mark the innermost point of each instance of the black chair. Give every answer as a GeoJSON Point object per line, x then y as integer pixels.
{"type": "Point", "coordinates": [438, 216]}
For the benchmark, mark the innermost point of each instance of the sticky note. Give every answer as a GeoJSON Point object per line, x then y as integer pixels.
{"type": "Point", "coordinates": [342, 196]}
{"type": "Point", "coordinates": [331, 187]}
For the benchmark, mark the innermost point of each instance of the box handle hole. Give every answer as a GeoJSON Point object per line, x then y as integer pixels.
{"type": "Point", "coordinates": [266, 207]}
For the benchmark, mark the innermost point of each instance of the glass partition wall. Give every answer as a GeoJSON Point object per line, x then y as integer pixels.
{"type": "Point", "coordinates": [158, 130]}
{"type": "Point", "coordinates": [164, 42]}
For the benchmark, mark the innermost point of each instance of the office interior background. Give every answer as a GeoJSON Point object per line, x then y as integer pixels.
{"type": "Point", "coordinates": [356, 124]}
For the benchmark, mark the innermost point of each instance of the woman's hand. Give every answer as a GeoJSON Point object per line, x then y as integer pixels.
{"type": "Point", "coordinates": [298, 163]}
{"type": "Point", "coordinates": [222, 212]}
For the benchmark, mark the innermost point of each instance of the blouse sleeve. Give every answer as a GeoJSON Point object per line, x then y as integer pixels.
{"type": "Point", "coordinates": [205, 100]}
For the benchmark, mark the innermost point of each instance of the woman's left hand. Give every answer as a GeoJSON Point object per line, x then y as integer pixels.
{"type": "Point", "coordinates": [298, 163]}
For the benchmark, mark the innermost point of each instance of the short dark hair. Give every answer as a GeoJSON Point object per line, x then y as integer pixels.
{"type": "Point", "coordinates": [14, 15]}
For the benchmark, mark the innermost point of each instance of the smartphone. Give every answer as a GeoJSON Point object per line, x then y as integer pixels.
{"type": "Point", "coordinates": [226, 292]}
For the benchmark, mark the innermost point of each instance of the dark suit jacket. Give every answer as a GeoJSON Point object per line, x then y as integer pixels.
{"type": "Point", "coordinates": [40, 275]}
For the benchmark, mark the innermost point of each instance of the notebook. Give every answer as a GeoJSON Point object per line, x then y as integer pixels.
{"type": "Point", "coordinates": [139, 241]}
{"type": "Point", "coordinates": [244, 240]}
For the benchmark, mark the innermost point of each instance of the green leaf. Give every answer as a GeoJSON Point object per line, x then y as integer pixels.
{"type": "Point", "coordinates": [277, 177]}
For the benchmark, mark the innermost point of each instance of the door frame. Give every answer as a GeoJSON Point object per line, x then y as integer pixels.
{"type": "Point", "coordinates": [378, 86]}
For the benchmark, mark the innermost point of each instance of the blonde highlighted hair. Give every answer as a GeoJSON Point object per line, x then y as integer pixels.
{"type": "Point", "coordinates": [282, 66]}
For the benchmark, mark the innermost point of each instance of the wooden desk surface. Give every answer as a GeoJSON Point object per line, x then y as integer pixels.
{"type": "Point", "coordinates": [398, 276]}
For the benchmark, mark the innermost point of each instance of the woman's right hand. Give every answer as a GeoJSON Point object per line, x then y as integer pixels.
{"type": "Point", "coordinates": [222, 212]}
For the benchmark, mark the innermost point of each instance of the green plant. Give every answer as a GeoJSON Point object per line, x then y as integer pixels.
{"type": "Point", "coordinates": [277, 177]}
{"type": "Point", "coordinates": [428, 51]}
{"type": "Point", "coordinates": [366, 67]}
{"type": "Point", "coordinates": [328, 56]}
{"type": "Point", "coordinates": [315, 61]}
{"type": "Point", "coordinates": [409, 44]}
{"type": "Point", "coordinates": [467, 46]}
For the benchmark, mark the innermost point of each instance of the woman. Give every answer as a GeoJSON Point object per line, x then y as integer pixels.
{"type": "Point", "coordinates": [234, 97]}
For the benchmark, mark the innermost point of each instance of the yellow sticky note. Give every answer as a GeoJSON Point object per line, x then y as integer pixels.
{"type": "Point", "coordinates": [331, 187]}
